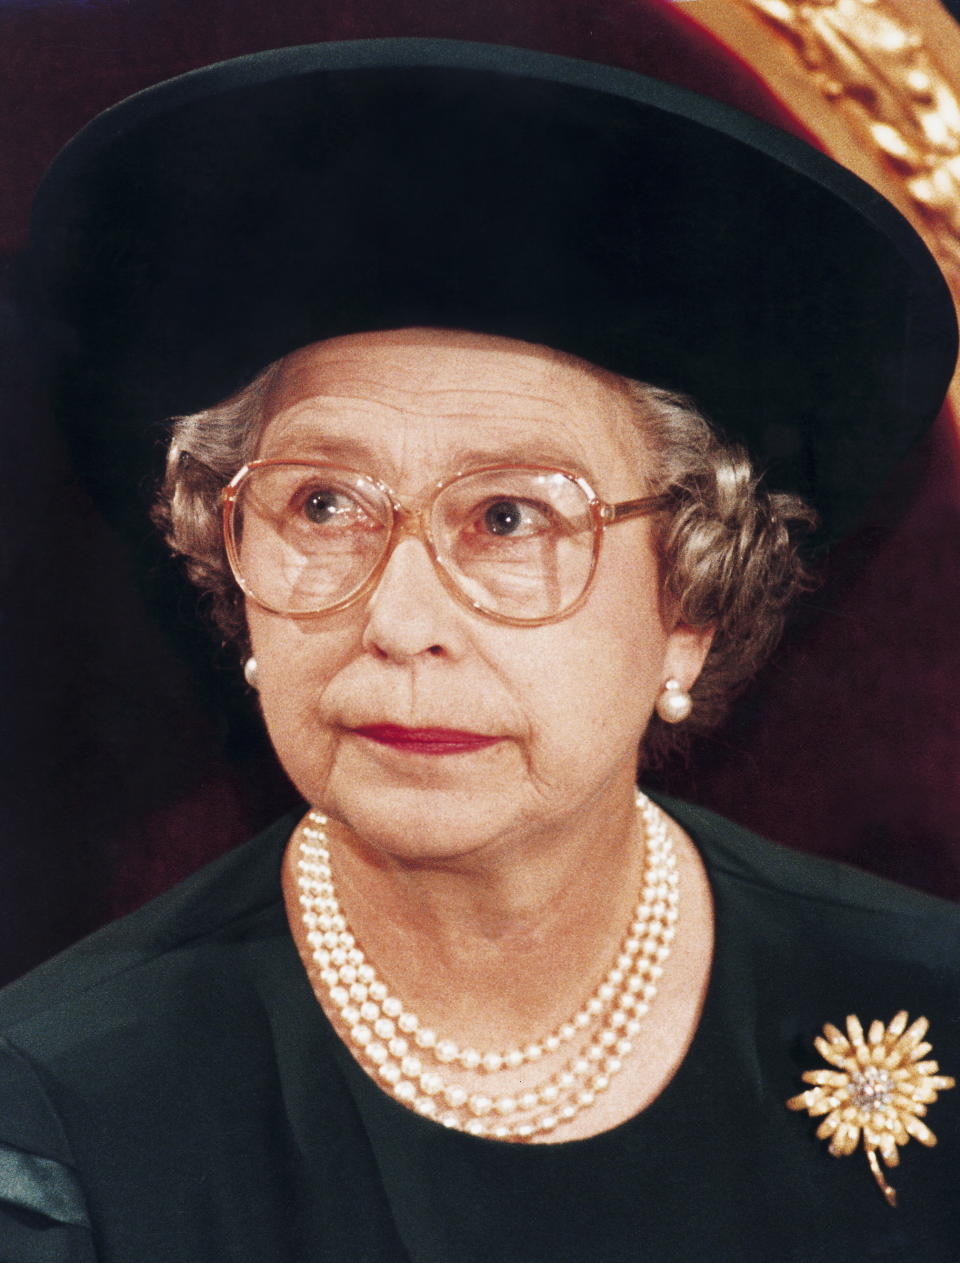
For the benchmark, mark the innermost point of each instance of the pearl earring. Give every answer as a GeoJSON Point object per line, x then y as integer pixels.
{"type": "Point", "coordinates": [250, 671]}
{"type": "Point", "coordinates": [674, 703]}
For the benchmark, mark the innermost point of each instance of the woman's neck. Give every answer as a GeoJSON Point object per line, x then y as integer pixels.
{"type": "Point", "coordinates": [494, 949]}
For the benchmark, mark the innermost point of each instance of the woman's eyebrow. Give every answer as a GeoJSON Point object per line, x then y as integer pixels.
{"type": "Point", "coordinates": [309, 442]}
{"type": "Point", "coordinates": [524, 452]}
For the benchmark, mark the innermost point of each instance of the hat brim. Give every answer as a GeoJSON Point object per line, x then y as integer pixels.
{"type": "Point", "coordinates": [202, 228]}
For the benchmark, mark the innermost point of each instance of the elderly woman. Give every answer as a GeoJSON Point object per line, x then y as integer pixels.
{"type": "Point", "coordinates": [480, 998]}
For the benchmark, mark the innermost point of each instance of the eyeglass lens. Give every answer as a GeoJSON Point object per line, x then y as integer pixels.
{"type": "Point", "coordinates": [515, 542]}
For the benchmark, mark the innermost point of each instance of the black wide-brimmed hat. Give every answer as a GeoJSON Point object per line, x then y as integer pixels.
{"type": "Point", "coordinates": [204, 227]}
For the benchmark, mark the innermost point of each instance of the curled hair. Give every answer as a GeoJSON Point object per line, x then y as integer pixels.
{"type": "Point", "coordinates": [729, 554]}
{"type": "Point", "coordinates": [206, 449]}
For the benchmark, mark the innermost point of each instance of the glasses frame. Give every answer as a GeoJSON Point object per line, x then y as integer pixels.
{"type": "Point", "coordinates": [415, 522]}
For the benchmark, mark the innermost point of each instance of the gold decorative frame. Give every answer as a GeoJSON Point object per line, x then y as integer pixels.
{"type": "Point", "coordinates": [878, 82]}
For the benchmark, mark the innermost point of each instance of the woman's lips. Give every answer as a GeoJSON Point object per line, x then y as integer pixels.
{"type": "Point", "coordinates": [425, 740]}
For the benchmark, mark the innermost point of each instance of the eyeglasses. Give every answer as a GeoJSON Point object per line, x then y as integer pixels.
{"type": "Point", "coordinates": [517, 544]}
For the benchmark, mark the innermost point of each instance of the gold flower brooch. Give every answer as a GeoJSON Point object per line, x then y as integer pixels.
{"type": "Point", "coordinates": [880, 1090]}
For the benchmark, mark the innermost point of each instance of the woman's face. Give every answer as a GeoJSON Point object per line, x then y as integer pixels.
{"type": "Point", "coordinates": [566, 703]}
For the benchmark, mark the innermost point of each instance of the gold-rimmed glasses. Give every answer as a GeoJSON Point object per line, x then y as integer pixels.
{"type": "Point", "coordinates": [517, 543]}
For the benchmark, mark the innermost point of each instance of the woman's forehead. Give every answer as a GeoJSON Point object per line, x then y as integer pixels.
{"type": "Point", "coordinates": [464, 395]}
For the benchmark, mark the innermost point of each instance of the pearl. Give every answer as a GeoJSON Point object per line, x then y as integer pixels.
{"type": "Point", "coordinates": [372, 1015]}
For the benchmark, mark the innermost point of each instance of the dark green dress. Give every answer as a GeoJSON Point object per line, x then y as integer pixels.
{"type": "Point", "coordinates": [170, 1092]}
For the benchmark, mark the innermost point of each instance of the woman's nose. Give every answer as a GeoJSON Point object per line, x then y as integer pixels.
{"type": "Point", "coordinates": [410, 612]}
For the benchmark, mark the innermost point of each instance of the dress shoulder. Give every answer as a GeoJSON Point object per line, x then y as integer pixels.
{"type": "Point", "coordinates": [43, 1212]}
{"type": "Point", "coordinates": [745, 856]}
{"type": "Point", "coordinates": [212, 902]}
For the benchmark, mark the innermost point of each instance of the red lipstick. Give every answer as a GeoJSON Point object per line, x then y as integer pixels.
{"type": "Point", "coordinates": [426, 740]}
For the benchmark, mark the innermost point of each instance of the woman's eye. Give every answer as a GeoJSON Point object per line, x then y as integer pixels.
{"type": "Point", "coordinates": [509, 517]}
{"type": "Point", "coordinates": [326, 506]}
{"type": "Point", "coordinates": [320, 507]}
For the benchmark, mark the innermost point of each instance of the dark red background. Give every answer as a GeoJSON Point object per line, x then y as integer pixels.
{"type": "Point", "coordinates": [130, 749]}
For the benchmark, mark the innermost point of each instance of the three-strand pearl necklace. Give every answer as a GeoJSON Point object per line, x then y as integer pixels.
{"type": "Point", "coordinates": [410, 1059]}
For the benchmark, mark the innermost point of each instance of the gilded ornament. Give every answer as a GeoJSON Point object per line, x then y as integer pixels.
{"type": "Point", "coordinates": [867, 59]}
{"type": "Point", "coordinates": [878, 1090]}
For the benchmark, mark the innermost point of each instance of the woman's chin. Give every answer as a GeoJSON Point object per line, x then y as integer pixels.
{"type": "Point", "coordinates": [418, 806]}
{"type": "Point", "coordinates": [423, 824]}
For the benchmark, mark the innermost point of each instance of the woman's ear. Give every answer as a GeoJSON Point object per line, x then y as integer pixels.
{"type": "Point", "coordinates": [687, 649]}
